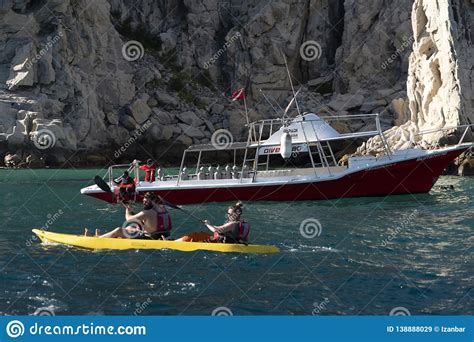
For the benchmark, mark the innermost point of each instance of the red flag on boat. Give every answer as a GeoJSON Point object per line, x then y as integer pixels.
{"type": "Point", "coordinates": [238, 95]}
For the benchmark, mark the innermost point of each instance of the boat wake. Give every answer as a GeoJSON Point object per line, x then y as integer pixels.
{"type": "Point", "coordinates": [307, 248]}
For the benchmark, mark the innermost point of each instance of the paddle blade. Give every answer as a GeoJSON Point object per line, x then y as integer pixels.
{"type": "Point", "coordinates": [102, 184]}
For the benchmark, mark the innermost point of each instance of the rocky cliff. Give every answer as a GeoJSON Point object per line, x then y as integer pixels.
{"type": "Point", "coordinates": [440, 77]}
{"type": "Point", "coordinates": [79, 80]}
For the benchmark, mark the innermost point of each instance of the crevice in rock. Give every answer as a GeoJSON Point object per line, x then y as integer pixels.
{"type": "Point", "coordinates": [455, 13]}
{"type": "Point", "coordinates": [336, 18]}
{"type": "Point", "coordinates": [28, 7]}
{"type": "Point", "coordinates": [182, 13]}
{"type": "Point", "coordinates": [303, 73]}
{"type": "Point", "coordinates": [139, 33]}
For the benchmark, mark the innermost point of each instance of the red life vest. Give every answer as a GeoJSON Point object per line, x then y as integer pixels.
{"type": "Point", "coordinates": [163, 222]}
{"type": "Point", "coordinates": [244, 231]}
{"type": "Point", "coordinates": [149, 172]}
{"type": "Point", "coordinates": [239, 234]}
{"type": "Point", "coordinates": [127, 183]}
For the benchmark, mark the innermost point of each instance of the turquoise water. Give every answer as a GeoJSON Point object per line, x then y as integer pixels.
{"type": "Point", "coordinates": [372, 255]}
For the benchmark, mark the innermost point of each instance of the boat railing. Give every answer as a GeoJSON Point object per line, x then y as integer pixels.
{"type": "Point", "coordinates": [435, 145]}
{"type": "Point", "coordinates": [466, 127]}
{"type": "Point", "coordinates": [261, 130]}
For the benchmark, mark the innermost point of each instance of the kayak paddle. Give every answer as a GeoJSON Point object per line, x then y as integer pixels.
{"type": "Point", "coordinates": [174, 206]}
{"type": "Point", "coordinates": [102, 184]}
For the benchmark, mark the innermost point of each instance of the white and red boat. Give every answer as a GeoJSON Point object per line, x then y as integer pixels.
{"type": "Point", "coordinates": [251, 176]}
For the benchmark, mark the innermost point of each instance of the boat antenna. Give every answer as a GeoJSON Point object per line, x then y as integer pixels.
{"type": "Point", "coordinates": [246, 110]}
{"type": "Point", "coordinates": [292, 88]}
{"type": "Point", "coordinates": [291, 102]}
{"type": "Point", "coordinates": [269, 102]}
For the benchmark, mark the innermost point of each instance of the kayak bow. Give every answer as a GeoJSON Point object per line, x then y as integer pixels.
{"type": "Point", "coordinates": [90, 242]}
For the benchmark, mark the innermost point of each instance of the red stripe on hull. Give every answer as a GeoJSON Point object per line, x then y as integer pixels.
{"type": "Point", "coordinates": [411, 176]}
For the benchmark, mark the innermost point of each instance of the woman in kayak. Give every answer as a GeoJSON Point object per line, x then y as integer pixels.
{"type": "Point", "coordinates": [153, 222]}
{"type": "Point", "coordinates": [235, 230]}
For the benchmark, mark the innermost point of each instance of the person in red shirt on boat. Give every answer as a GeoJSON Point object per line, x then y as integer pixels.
{"type": "Point", "coordinates": [152, 223]}
{"type": "Point", "coordinates": [235, 230]}
{"type": "Point", "coordinates": [150, 170]}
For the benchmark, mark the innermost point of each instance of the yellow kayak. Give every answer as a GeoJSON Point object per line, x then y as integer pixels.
{"type": "Point", "coordinates": [89, 242]}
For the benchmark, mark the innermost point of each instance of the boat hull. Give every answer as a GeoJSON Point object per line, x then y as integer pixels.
{"type": "Point", "coordinates": [95, 243]}
{"type": "Point", "coordinates": [402, 177]}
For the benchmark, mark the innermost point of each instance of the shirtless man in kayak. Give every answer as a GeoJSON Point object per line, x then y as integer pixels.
{"type": "Point", "coordinates": [235, 230]}
{"type": "Point", "coordinates": [152, 223]}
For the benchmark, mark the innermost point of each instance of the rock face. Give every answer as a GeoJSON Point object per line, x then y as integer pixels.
{"type": "Point", "coordinates": [93, 76]}
{"type": "Point", "coordinates": [441, 76]}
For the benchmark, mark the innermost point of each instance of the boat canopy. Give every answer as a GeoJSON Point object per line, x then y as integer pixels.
{"type": "Point", "coordinates": [217, 147]}
{"type": "Point", "coordinates": [302, 129]}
